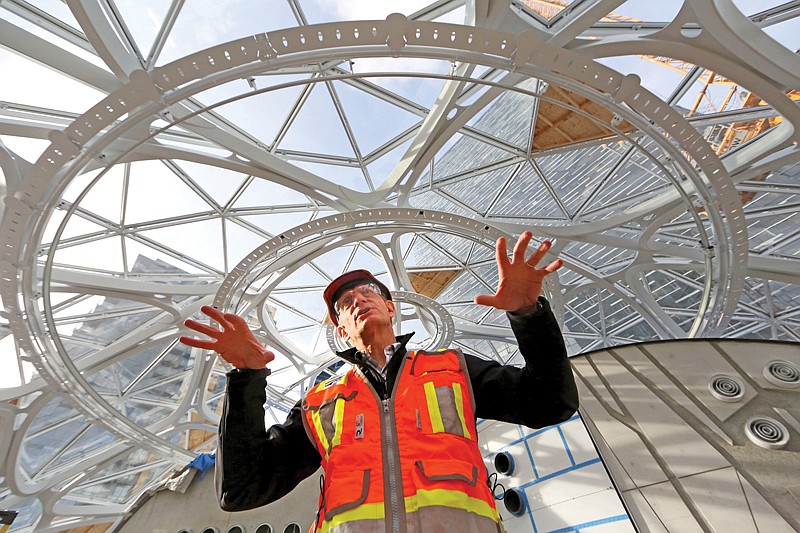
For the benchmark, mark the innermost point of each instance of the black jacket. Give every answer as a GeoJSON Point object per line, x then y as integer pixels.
{"type": "Point", "coordinates": [256, 466]}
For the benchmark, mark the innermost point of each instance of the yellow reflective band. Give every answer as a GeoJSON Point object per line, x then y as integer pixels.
{"type": "Point", "coordinates": [338, 422]}
{"type": "Point", "coordinates": [320, 432]}
{"type": "Point", "coordinates": [366, 511]}
{"type": "Point", "coordinates": [433, 408]}
{"type": "Point", "coordinates": [450, 498]}
{"type": "Point", "coordinates": [460, 408]}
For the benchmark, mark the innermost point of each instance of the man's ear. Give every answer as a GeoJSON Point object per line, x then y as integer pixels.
{"type": "Point", "coordinates": [390, 307]}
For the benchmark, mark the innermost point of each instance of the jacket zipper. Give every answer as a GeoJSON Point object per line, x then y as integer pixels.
{"type": "Point", "coordinates": [389, 447]}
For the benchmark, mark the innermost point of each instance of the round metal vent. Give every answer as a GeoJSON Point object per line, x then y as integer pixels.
{"type": "Point", "coordinates": [504, 463]}
{"type": "Point", "coordinates": [782, 373]}
{"type": "Point", "coordinates": [514, 502]}
{"type": "Point", "coordinates": [726, 388]}
{"type": "Point", "coordinates": [767, 432]}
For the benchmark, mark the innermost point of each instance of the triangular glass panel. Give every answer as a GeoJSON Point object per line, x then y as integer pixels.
{"type": "Point", "coordinates": [240, 241]}
{"type": "Point", "coordinates": [128, 475]}
{"type": "Point", "coordinates": [575, 174]}
{"type": "Point", "coordinates": [94, 438]}
{"type": "Point", "coordinates": [105, 196]}
{"type": "Point", "coordinates": [636, 180]}
{"type": "Point", "coordinates": [201, 241]}
{"type": "Point", "coordinates": [373, 121]}
{"type": "Point", "coordinates": [495, 317]}
{"type": "Point", "coordinates": [286, 318]}
{"type": "Point", "coordinates": [39, 449]}
{"type": "Point", "coordinates": [174, 363]}
{"type": "Point", "coordinates": [509, 117]}
{"type": "Point", "coordinates": [463, 288]}
{"type": "Point", "coordinates": [317, 127]}
{"type": "Point", "coordinates": [427, 252]}
{"type": "Point", "coordinates": [419, 89]}
{"type": "Point", "coordinates": [156, 192]}
{"type": "Point", "coordinates": [304, 276]}
{"type": "Point", "coordinates": [606, 260]}
{"type": "Point", "coordinates": [640, 331]}
{"type": "Point", "coordinates": [76, 226]}
{"type": "Point", "coordinates": [104, 330]}
{"type": "Point", "coordinates": [304, 340]}
{"type": "Point", "coordinates": [436, 202]}
{"type": "Point", "coordinates": [265, 193]}
{"type": "Point", "coordinates": [368, 261]}
{"type": "Point", "coordinates": [144, 19]}
{"type": "Point", "coordinates": [479, 191]}
{"type": "Point", "coordinates": [219, 183]}
{"type": "Point", "coordinates": [382, 167]}
{"type": "Point", "coordinates": [31, 84]}
{"type": "Point", "coordinates": [467, 312]}
{"type": "Point", "coordinates": [334, 260]}
{"type": "Point", "coordinates": [527, 196]}
{"type": "Point", "coordinates": [261, 114]}
{"type": "Point", "coordinates": [75, 351]}
{"type": "Point", "coordinates": [156, 261]}
{"type": "Point", "coordinates": [132, 366]}
{"type": "Point", "coordinates": [200, 28]}
{"type": "Point", "coordinates": [583, 311]}
{"type": "Point", "coordinates": [143, 412]}
{"type": "Point", "coordinates": [456, 248]}
{"type": "Point", "coordinates": [57, 9]}
{"type": "Point", "coordinates": [57, 410]}
{"type": "Point", "coordinates": [277, 223]}
{"type": "Point", "coordinates": [616, 309]}
{"type": "Point", "coordinates": [102, 254]}
{"type": "Point", "coordinates": [346, 176]}
{"type": "Point", "coordinates": [466, 154]}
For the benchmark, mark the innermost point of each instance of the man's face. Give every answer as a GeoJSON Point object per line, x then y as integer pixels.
{"type": "Point", "coordinates": [361, 308]}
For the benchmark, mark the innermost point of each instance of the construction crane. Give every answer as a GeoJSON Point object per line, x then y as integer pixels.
{"type": "Point", "coordinates": [722, 137]}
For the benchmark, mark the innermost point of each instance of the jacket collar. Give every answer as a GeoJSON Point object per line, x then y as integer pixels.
{"type": "Point", "coordinates": [352, 355]}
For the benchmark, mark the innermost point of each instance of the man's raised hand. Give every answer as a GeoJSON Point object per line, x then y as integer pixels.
{"type": "Point", "coordinates": [234, 342]}
{"type": "Point", "coordinates": [520, 281]}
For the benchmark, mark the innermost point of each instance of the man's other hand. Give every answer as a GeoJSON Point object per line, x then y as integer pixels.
{"type": "Point", "coordinates": [520, 281]}
{"type": "Point", "coordinates": [234, 342]}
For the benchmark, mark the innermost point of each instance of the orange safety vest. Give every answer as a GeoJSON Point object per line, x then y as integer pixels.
{"type": "Point", "coordinates": [409, 463]}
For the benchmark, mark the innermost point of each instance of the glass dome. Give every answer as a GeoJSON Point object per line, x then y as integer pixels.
{"type": "Point", "coordinates": [160, 156]}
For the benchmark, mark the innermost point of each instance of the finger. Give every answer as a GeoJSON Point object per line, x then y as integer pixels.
{"type": "Point", "coordinates": [215, 314]}
{"type": "Point", "coordinates": [555, 265]}
{"type": "Point", "coordinates": [501, 255]}
{"type": "Point", "coordinates": [198, 343]}
{"type": "Point", "coordinates": [521, 246]}
{"type": "Point", "coordinates": [540, 252]}
{"type": "Point", "coordinates": [485, 299]}
{"type": "Point", "coordinates": [199, 327]}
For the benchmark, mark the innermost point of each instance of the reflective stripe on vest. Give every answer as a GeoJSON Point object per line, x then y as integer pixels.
{"type": "Point", "coordinates": [431, 430]}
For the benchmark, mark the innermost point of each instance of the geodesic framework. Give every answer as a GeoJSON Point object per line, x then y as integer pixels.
{"type": "Point", "coordinates": [647, 216]}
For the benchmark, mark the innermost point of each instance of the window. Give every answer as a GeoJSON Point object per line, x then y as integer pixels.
{"type": "Point", "coordinates": [292, 528]}
{"type": "Point", "coordinates": [264, 528]}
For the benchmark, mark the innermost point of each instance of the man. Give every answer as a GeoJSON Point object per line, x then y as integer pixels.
{"type": "Point", "coordinates": [396, 434]}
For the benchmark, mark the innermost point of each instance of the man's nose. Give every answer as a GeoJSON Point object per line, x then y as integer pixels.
{"type": "Point", "coordinates": [359, 298]}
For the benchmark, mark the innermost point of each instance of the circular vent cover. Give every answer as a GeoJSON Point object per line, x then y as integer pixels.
{"type": "Point", "coordinates": [726, 388]}
{"type": "Point", "coordinates": [782, 373]}
{"type": "Point", "coordinates": [767, 432]}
